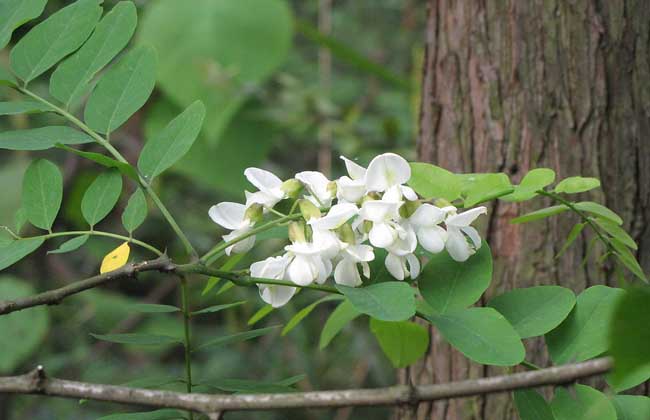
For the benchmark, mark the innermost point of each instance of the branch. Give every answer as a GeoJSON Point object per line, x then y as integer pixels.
{"type": "Point", "coordinates": [36, 382]}
{"type": "Point", "coordinates": [53, 297]}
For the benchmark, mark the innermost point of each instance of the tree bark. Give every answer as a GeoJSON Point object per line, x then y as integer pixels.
{"type": "Point", "coordinates": [511, 85]}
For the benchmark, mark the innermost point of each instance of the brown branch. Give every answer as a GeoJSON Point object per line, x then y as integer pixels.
{"type": "Point", "coordinates": [36, 382]}
{"type": "Point", "coordinates": [53, 297]}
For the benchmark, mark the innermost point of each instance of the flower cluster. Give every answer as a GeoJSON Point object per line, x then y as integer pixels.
{"type": "Point", "coordinates": [341, 224]}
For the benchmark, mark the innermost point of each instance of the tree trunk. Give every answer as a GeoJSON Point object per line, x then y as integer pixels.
{"type": "Point", "coordinates": [511, 85]}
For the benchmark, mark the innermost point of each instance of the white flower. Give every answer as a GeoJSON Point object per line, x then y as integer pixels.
{"type": "Point", "coordinates": [232, 216]}
{"type": "Point", "coordinates": [426, 219]}
{"type": "Point", "coordinates": [353, 187]}
{"type": "Point", "coordinates": [317, 184]}
{"type": "Point", "coordinates": [346, 272]}
{"type": "Point", "coordinates": [307, 264]}
{"type": "Point", "coordinates": [335, 217]}
{"type": "Point", "coordinates": [382, 215]}
{"type": "Point", "coordinates": [406, 240]}
{"type": "Point", "coordinates": [458, 225]}
{"type": "Point", "coordinates": [269, 186]}
{"type": "Point", "coordinates": [402, 267]}
{"type": "Point", "coordinates": [273, 268]}
{"type": "Point", "coordinates": [386, 171]}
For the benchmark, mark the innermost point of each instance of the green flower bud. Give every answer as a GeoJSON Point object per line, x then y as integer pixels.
{"type": "Point", "coordinates": [297, 232]}
{"type": "Point", "coordinates": [254, 213]}
{"type": "Point", "coordinates": [308, 209]}
{"type": "Point", "coordinates": [366, 226]}
{"type": "Point", "coordinates": [408, 208]}
{"type": "Point", "coordinates": [441, 202]}
{"type": "Point", "coordinates": [347, 234]}
{"type": "Point", "coordinates": [292, 187]}
{"type": "Point", "coordinates": [331, 188]}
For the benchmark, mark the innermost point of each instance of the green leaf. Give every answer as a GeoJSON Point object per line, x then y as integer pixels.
{"type": "Point", "coordinates": [70, 80]}
{"type": "Point", "coordinates": [70, 245]}
{"type": "Point", "coordinates": [154, 308]}
{"type": "Point", "coordinates": [248, 386]}
{"type": "Point", "coordinates": [135, 211]}
{"type": "Point", "coordinates": [540, 214]}
{"type": "Point", "coordinates": [340, 317]}
{"type": "Point", "coordinates": [20, 218]}
{"type": "Point", "coordinates": [583, 334]}
{"type": "Point", "coordinates": [588, 404]}
{"type": "Point", "coordinates": [402, 342]}
{"type": "Point", "coordinates": [534, 180]}
{"type": "Point", "coordinates": [532, 406]}
{"type": "Point", "coordinates": [571, 238]}
{"type": "Point", "coordinates": [216, 308]}
{"type": "Point", "coordinates": [137, 339]}
{"type": "Point", "coordinates": [122, 90]}
{"type": "Point", "coordinates": [173, 142]}
{"type": "Point", "coordinates": [101, 196]}
{"type": "Point", "coordinates": [388, 301]}
{"type": "Point", "coordinates": [41, 138]}
{"type": "Point", "coordinates": [237, 338]}
{"type": "Point", "coordinates": [627, 258]}
{"type": "Point", "coordinates": [617, 232]}
{"type": "Point", "coordinates": [17, 250]}
{"type": "Point", "coordinates": [431, 181]}
{"type": "Point", "coordinates": [576, 184]}
{"type": "Point", "coordinates": [599, 210]}
{"type": "Point", "coordinates": [14, 13]}
{"type": "Point", "coordinates": [478, 188]}
{"type": "Point", "coordinates": [54, 38]}
{"type": "Point", "coordinates": [304, 312]}
{"type": "Point", "coordinates": [6, 78]}
{"type": "Point", "coordinates": [104, 160]}
{"type": "Point", "coordinates": [42, 193]}
{"type": "Point", "coordinates": [164, 414]}
{"type": "Point", "coordinates": [22, 332]}
{"type": "Point", "coordinates": [448, 285]}
{"type": "Point", "coordinates": [343, 52]}
{"type": "Point", "coordinates": [535, 311]}
{"type": "Point", "coordinates": [629, 338]}
{"type": "Point", "coordinates": [230, 263]}
{"type": "Point", "coordinates": [22, 107]}
{"type": "Point", "coordinates": [632, 407]}
{"type": "Point", "coordinates": [212, 42]}
{"type": "Point", "coordinates": [481, 334]}
{"type": "Point", "coordinates": [260, 314]}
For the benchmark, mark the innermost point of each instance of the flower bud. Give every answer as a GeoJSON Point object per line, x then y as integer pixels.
{"type": "Point", "coordinates": [297, 232]}
{"type": "Point", "coordinates": [347, 234]}
{"type": "Point", "coordinates": [292, 187]}
{"type": "Point", "coordinates": [254, 213]}
{"type": "Point", "coordinates": [408, 208]}
{"type": "Point", "coordinates": [308, 210]}
{"type": "Point", "coordinates": [441, 202]}
{"type": "Point", "coordinates": [331, 188]}
{"type": "Point", "coordinates": [366, 226]}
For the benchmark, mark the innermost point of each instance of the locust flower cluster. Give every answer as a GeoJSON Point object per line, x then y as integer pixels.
{"type": "Point", "coordinates": [343, 222]}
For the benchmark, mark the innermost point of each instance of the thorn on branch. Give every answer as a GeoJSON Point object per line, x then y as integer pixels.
{"type": "Point", "coordinates": [38, 379]}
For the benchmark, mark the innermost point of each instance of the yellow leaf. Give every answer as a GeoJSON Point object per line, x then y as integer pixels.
{"type": "Point", "coordinates": [116, 258]}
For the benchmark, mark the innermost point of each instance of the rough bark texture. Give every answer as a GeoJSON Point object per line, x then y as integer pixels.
{"type": "Point", "coordinates": [512, 85]}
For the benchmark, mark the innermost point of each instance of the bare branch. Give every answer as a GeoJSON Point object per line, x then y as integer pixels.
{"type": "Point", "coordinates": [36, 382]}
{"type": "Point", "coordinates": [53, 297]}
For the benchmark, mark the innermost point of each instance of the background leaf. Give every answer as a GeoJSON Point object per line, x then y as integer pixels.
{"type": "Point", "coordinates": [164, 414]}
{"type": "Point", "coordinates": [218, 308]}
{"type": "Point", "coordinates": [532, 406]}
{"type": "Point", "coordinates": [14, 13]}
{"type": "Point", "coordinates": [588, 404]}
{"type": "Point", "coordinates": [583, 334]}
{"type": "Point", "coordinates": [23, 331]}
{"type": "Point", "coordinates": [70, 80]}
{"type": "Point", "coordinates": [448, 285]}
{"type": "Point", "coordinates": [402, 342]}
{"type": "Point", "coordinates": [101, 196]}
{"type": "Point", "coordinates": [481, 334]}
{"type": "Point", "coordinates": [533, 181]}
{"type": "Point", "coordinates": [534, 311]}
{"type": "Point", "coordinates": [135, 212]}
{"type": "Point", "coordinates": [237, 338]}
{"type": "Point", "coordinates": [632, 407]}
{"type": "Point", "coordinates": [41, 138]}
{"type": "Point", "coordinates": [122, 90]}
{"type": "Point", "coordinates": [42, 193]}
{"type": "Point", "coordinates": [338, 319]}
{"type": "Point", "coordinates": [304, 312]}
{"type": "Point", "coordinates": [540, 214]}
{"type": "Point", "coordinates": [70, 245]}
{"type": "Point", "coordinates": [137, 339]}
{"type": "Point", "coordinates": [431, 181]}
{"type": "Point", "coordinates": [104, 160]}
{"type": "Point", "coordinates": [154, 308]}
{"type": "Point", "coordinates": [17, 250]}
{"type": "Point", "coordinates": [388, 301]}
{"type": "Point", "coordinates": [54, 38]}
{"type": "Point", "coordinates": [577, 184]}
{"type": "Point", "coordinates": [599, 210]}
{"type": "Point", "coordinates": [22, 107]}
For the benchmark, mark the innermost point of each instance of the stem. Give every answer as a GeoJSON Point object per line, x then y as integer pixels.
{"type": "Point", "coordinates": [188, 343]}
{"type": "Point", "coordinates": [113, 151]}
{"type": "Point", "coordinates": [100, 233]}
{"type": "Point", "coordinates": [530, 365]}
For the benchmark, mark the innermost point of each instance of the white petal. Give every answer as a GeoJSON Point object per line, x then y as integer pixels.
{"type": "Point", "coordinates": [465, 218]}
{"type": "Point", "coordinates": [392, 194]}
{"type": "Point", "coordinates": [406, 242]}
{"type": "Point", "coordinates": [379, 210]}
{"type": "Point", "coordinates": [394, 266]}
{"type": "Point", "coordinates": [276, 296]}
{"type": "Point", "coordinates": [432, 238]}
{"type": "Point", "coordinates": [229, 215]}
{"type": "Point", "coordinates": [387, 170]}
{"type": "Point", "coordinates": [272, 267]}
{"type": "Point", "coordinates": [350, 190]}
{"type": "Point", "coordinates": [382, 235]}
{"type": "Point", "coordinates": [414, 265]}
{"type": "Point", "coordinates": [355, 170]}
{"type": "Point", "coordinates": [360, 253]}
{"type": "Point", "coordinates": [324, 268]}
{"type": "Point", "coordinates": [457, 245]}
{"type": "Point", "coordinates": [305, 249]}
{"type": "Point", "coordinates": [427, 215]}
{"type": "Point", "coordinates": [327, 242]}
{"type": "Point", "coordinates": [242, 246]}
{"type": "Point", "coordinates": [301, 271]}
{"type": "Point", "coordinates": [261, 197]}
{"type": "Point", "coordinates": [408, 193]}
{"type": "Point", "coordinates": [335, 217]}
{"type": "Point", "coordinates": [473, 235]}
{"type": "Point", "coordinates": [346, 273]}
{"type": "Point", "coordinates": [263, 180]}
{"type": "Point", "coordinates": [316, 183]}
